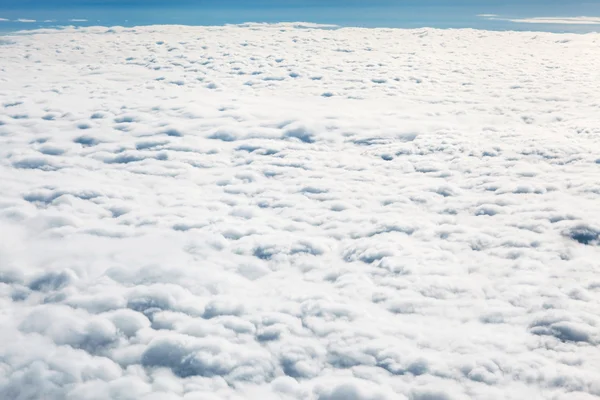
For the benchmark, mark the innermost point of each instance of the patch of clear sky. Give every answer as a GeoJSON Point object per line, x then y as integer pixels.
{"type": "Point", "coordinates": [364, 13]}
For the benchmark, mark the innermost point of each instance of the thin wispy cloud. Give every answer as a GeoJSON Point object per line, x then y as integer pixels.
{"type": "Point", "coordinates": [545, 20]}
{"type": "Point", "coordinates": [559, 20]}
{"type": "Point", "coordinates": [26, 20]}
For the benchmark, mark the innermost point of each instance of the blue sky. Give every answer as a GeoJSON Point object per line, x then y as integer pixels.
{"type": "Point", "coordinates": [368, 13]}
{"type": "Point", "coordinates": [22, 4]}
{"type": "Point", "coordinates": [546, 7]}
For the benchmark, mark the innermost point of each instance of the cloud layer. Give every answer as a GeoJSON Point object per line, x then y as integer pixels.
{"type": "Point", "coordinates": [284, 212]}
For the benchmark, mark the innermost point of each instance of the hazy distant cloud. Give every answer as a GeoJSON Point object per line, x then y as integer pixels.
{"type": "Point", "coordinates": [297, 25]}
{"type": "Point", "coordinates": [559, 20]}
{"type": "Point", "coordinates": [26, 20]}
{"type": "Point", "coordinates": [545, 20]}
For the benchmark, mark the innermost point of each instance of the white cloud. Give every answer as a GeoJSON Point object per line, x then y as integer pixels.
{"type": "Point", "coordinates": [25, 20]}
{"type": "Point", "coordinates": [3, 20]}
{"type": "Point", "coordinates": [559, 20]}
{"type": "Point", "coordinates": [78, 20]}
{"type": "Point", "coordinates": [299, 25]}
{"type": "Point", "coordinates": [547, 20]}
{"type": "Point", "coordinates": [185, 214]}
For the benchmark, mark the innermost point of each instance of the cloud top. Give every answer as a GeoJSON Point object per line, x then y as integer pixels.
{"type": "Point", "coordinates": [290, 212]}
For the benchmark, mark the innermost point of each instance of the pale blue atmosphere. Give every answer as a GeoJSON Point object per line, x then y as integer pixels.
{"type": "Point", "coordinates": [490, 14]}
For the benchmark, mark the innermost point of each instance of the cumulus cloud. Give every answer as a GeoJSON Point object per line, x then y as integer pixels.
{"type": "Point", "coordinates": [297, 212]}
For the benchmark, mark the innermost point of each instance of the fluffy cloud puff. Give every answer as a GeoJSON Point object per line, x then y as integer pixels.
{"type": "Point", "coordinates": [284, 213]}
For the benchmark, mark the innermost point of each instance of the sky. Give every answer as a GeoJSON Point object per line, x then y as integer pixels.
{"type": "Point", "coordinates": [24, 4]}
{"type": "Point", "coordinates": [540, 15]}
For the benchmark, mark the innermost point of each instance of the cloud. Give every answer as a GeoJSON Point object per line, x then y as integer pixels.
{"type": "Point", "coordinates": [78, 20]}
{"type": "Point", "coordinates": [546, 20]}
{"type": "Point", "coordinates": [25, 20]}
{"type": "Point", "coordinates": [559, 20]}
{"type": "Point", "coordinates": [4, 20]}
{"type": "Point", "coordinates": [183, 214]}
